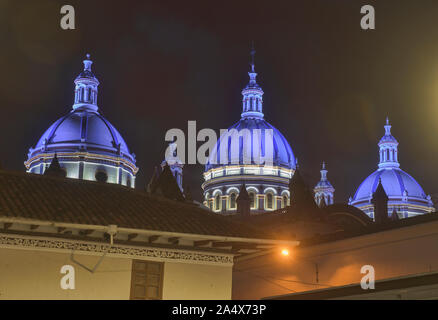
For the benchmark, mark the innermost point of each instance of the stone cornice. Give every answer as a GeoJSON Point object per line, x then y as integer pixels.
{"type": "Point", "coordinates": [18, 241]}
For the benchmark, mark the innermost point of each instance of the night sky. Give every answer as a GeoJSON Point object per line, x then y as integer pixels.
{"type": "Point", "coordinates": [328, 84]}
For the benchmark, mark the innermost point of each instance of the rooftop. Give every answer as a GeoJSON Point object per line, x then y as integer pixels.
{"type": "Point", "coordinates": [37, 197]}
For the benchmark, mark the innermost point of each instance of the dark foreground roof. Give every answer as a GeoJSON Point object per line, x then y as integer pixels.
{"type": "Point", "coordinates": [384, 289]}
{"type": "Point", "coordinates": [53, 199]}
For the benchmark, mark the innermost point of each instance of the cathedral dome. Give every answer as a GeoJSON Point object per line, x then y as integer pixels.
{"type": "Point", "coordinates": [396, 183]}
{"type": "Point", "coordinates": [282, 153]}
{"type": "Point", "coordinates": [84, 143]}
{"type": "Point", "coordinates": [405, 195]}
{"type": "Point", "coordinates": [251, 154]}
{"type": "Point", "coordinates": [83, 130]}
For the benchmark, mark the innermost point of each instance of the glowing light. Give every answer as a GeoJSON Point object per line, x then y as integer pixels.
{"type": "Point", "coordinates": [285, 252]}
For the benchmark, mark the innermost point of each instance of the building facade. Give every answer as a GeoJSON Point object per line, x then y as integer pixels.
{"type": "Point", "coordinates": [86, 144]}
{"type": "Point", "coordinates": [405, 195]}
{"type": "Point", "coordinates": [252, 153]}
{"type": "Point", "coordinates": [70, 239]}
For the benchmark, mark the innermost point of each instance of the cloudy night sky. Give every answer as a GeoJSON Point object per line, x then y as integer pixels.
{"type": "Point", "coordinates": [329, 85]}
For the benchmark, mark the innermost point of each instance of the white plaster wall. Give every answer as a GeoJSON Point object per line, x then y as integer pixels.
{"type": "Point", "coordinates": [203, 282]}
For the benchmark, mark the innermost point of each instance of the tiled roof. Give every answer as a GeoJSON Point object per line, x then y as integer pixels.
{"type": "Point", "coordinates": [38, 197]}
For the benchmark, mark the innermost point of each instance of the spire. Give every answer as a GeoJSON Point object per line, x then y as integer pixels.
{"type": "Point", "coordinates": [324, 191]}
{"type": "Point", "coordinates": [323, 172]}
{"type": "Point", "coordinates": [387, 127]}
{"type": "Point", "coordinates": [388, 146]}
{"type": "Point", "coordinates": [86, 88]}
{"type": "Point", "coordinates": [252, 53]}
{"type": "Point", "coordinates": [87, 63]}
{"type": "Point", "coordinates": [175, 164]}
{"type": "Point", "coordinates": [167, 186]}
{"type": "Point", "coordinates": [252, 94]}
{"type": "Point", "coordinates": [243, 202]}
{"type": "Point", "coordinates": [380, 202]}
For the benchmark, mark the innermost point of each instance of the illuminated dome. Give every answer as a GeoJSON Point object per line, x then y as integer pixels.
{"type": "Point", "coordinates": [405, 195]}
{"type": "Point", "coordinates": [86, 144]}
{"type": "Point", "coordinates": [253, 153]}
{"type": "Point", "coordinates": [282, 152]}
{"type": "Point", "coordinates": [81, 129]}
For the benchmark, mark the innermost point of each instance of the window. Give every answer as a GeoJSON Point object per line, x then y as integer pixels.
{"type": "Point", "coordinates": [146, 280]}
{"type": "Point", "coordinates": [128, 182]}
{"type": "Point", "coordinates": [233, 201]}
{"type": "Point", "coordinates": [284, 201]}
{"type": "Point", "coordinates": [252, 200]}
{"type": "Point", "coordinates": [217, 202]}
{"type": "Point", "coordinates": [101, 176]}
{"type": "Point", "coordinates": [269, 201]}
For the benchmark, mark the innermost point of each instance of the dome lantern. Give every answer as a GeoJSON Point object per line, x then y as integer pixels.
{"type": "Point", "coordinates": [252, 101]}
{"type": "Point", "coordinates": [86, 88]}
{"type": "Point", "coordinates": [388, 149]}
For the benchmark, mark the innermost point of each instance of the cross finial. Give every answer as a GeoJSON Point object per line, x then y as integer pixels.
{"type": "Point", "coordinates": [87, 62]}
{"type": "Point", "coordinates": [252, 52]}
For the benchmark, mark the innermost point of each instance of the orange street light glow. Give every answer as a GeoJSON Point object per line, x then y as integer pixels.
{"type": "Point", "coordinates": [285, 252]}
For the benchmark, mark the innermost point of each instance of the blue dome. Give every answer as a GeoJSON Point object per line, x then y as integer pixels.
{"type": "Point", "coordinates": [395, 182]}
{"type": "Point", "coordinates": [85, 145]}
{"type": "Point", "coordinates": [405, 195]}
{"type": "Point", "coordinates": [82, 130]}
{"type": "Point", "coordinates": [283, 155]}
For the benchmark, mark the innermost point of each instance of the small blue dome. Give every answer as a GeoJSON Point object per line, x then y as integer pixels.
{"type": "Point", "coordinates": [395, 182]}
{"type": "Point", "coordinates": [405, 195]}
{"type": "Point", "coordinates": [283, 155]}
{"type": "Point", "coordinates": [83, 129]}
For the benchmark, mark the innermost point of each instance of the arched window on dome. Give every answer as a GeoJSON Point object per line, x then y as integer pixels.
{"type": "Point", "coordinates": [252, 200]}
{"type": "Point", "coordinates": [269, 201]}
{"type": "Point", "coordinates": [217, 202]}
{"type": "Point", "coordinates": [81, 98]}
{"type": "Point", "coordinates": [232, 201]}
{"type": "Point", "coordinates": [285, 199]}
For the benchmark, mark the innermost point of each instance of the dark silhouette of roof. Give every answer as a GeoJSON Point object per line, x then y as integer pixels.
{"type": "Point", "coordinates": [166, 185]}
{"type": "Point", "coordinates": [55, 199]}
{"type": "Point", "coordinates": [380, 192]}
{"type": "Point", "coordinates": [153, 179]}
{"type": "Point", "coordinates": [55, 168]}
{"type": "Point", "coordinates": [243, 193]}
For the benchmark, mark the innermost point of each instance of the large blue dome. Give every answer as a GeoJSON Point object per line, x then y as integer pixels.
{"type": "Point", "coordinates": [85, 144]}
{"type": "Point", "coordinates": [396, 183]}
{"type": "Point", "coordinates": [251, 154]}
{"type": "Point", "coordinates": [283, 155]}
{"type": "Point", "coordinates": [83, 130]}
